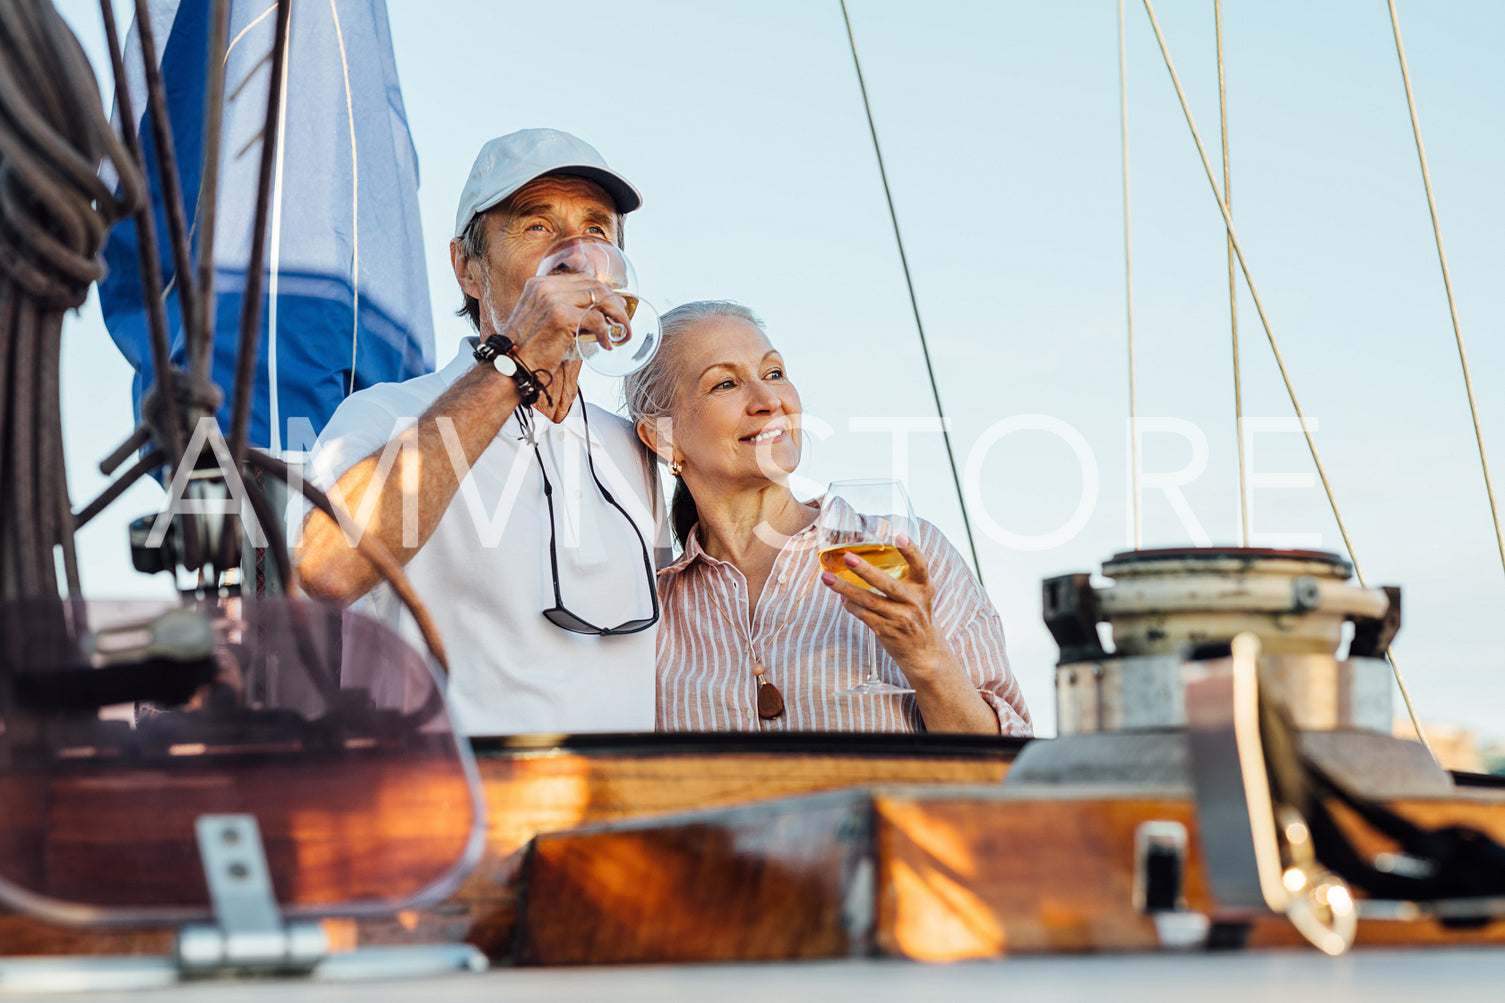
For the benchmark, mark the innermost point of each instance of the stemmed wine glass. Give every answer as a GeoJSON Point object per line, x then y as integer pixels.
{"type": "Point", "coordinates": [632, 345]}
{"type": "Point", "coordinates": [866, 518]}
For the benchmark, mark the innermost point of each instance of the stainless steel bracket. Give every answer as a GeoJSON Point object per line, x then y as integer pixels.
{"type": "Point", "coordinates": [249, 933]}
{"type": "Point", "coordinates": [1258, 853]}
{"type": "Point", "coordinates": [249, 937]}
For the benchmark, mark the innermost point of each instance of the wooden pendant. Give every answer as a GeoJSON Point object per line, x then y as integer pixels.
{"type": "Point", "coordinates": [770, 700]}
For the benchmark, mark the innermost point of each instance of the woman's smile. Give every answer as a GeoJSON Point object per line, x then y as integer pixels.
{"type": "Point", "coordinates": [771, 433]}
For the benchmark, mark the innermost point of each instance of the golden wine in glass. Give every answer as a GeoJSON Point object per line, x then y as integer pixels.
{"type": "Point", "coordinates": [866, 518]}
{"type": "Point", "coordinates": [883, 556]}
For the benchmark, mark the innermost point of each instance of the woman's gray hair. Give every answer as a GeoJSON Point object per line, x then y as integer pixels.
{"type": "Point", "coordinates": [650, 392]}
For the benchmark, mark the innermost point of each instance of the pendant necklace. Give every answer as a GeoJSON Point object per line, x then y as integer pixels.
{"type": "Point", "coordinates": [770, 700]}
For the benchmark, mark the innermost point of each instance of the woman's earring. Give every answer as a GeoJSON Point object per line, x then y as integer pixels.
{"type": "Point", "coordinates": [675, 467]}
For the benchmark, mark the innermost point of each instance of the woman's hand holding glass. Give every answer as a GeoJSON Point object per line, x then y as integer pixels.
{"type": "Point", "coordinates": [870, 561]}
{"type": "Point", "coordinates": [899, 611]}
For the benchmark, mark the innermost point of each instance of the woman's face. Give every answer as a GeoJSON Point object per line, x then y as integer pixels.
{"type": "Point", "coordinates": [736, 419]}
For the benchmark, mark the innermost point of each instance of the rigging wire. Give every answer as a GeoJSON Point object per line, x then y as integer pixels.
{"type": "Point", "coordinates": [152, 294]}
{"type": "Point", "coordinates": [1285, 375]}
{"type": "Point", "coordinates": [1123, 119]}
{"type": "Point", "coordinates": [1238, 389]}
{"type": "Point", "coordinates": [198, 353]}
{"type": "Point", "coordinates": [250, 313]}
{"type": "Point", "coordinates": [208, 194]}
{"type": "Point", "coordinates": [274, 272]}
{"type": "Point", "coordinates": [913, 300]}
{"type": "Point", "coordinates": [1447, 282]}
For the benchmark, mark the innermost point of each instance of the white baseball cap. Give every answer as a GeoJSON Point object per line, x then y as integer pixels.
{"type": "Point", "coordinates": [507, 163]}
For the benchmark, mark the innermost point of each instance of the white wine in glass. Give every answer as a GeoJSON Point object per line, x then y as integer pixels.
{"type": "Point", "coordinates": [632, 346]}
{"type": "Point", "coordinates": [866, 518]}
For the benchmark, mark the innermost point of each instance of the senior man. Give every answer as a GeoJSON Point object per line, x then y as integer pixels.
{"type": "Point", "coordinates": [525, 518]}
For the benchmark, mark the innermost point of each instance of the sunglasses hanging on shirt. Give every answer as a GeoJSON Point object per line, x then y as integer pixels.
{"type": "Point", "coordinates": [557, 614]}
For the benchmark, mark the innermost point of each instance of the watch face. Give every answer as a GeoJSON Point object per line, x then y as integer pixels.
{"type": "Point", "coordinates": [505, 364]}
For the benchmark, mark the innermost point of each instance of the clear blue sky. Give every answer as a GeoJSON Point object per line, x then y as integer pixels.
{"type": "Point", "coordinates": [743, 127]}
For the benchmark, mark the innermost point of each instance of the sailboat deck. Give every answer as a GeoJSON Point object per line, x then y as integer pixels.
{"type": "Point", "coordinates": [697, 848]}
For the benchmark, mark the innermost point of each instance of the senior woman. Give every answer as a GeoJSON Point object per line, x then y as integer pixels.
{"type": "Point", "coordinates": [747, 605]}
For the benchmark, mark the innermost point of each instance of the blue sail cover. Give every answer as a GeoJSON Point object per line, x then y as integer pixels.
{"type": "Point", "coordinates": [345, 293]}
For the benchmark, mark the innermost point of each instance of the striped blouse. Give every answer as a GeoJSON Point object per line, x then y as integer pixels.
{"type": "Point", "coordinates": [810, 646]}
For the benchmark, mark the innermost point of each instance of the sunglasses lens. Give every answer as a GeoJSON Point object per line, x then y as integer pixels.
{"type": "Point", "coordinates": [566, 620]}
{"type": "Point", "coordinates": [569, 621]}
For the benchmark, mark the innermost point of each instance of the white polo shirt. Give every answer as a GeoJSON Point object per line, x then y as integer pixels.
{"type": "Point", "coordinates": [484, 574]}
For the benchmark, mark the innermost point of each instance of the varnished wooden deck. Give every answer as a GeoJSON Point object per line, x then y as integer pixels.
{"type": "Point", "coordinates": [689, 849]}
{"type": "Point", "coordinates": [530, 786]}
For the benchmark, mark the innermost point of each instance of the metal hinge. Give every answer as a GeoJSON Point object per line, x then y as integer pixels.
{"type": "Point", "coordinates": [250, 936]}
{"type": "Point", "coordinates": [249, 933]}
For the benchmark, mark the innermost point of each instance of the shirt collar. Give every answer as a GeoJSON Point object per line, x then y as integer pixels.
{"type": "Point", "coordinates": [463, 361]}
{"type": "Point", "coordinates": [695, 552]}
{"type": "Point", "coordinates": [692, 552]}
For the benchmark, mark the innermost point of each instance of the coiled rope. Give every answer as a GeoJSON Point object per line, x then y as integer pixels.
{"type": "Point", "coordinates": [54, 214]}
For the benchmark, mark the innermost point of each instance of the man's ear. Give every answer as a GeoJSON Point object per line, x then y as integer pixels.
{"type": "Point", "coordinates": [464, 272]}
{"type": "Point", "coordinates": [658, 435]}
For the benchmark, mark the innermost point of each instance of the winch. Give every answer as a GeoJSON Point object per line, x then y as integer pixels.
{"type": "Point", "coordinates": [1130, 646]}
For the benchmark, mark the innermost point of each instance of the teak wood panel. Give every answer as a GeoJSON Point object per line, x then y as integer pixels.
{"type": "Point", "coordinates": [945, 877]}
{"type": "Point", "coordinates": [746, 886]}
{"type": "Point", "coordinates": [968, 878]}
{"type": "Point", "coordinates": [954, 873]}
{"type": "Point", "coordinates": [531, 794]}
{"type": "Point", "coordinates": [525, 794]}
{"type": "Point", "coordinates": [367, 829]}
{"type": "Point", "coordinates": [954, 876]}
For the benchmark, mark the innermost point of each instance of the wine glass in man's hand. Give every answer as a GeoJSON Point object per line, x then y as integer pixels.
{"type": "Point", "coordinates": [630, 345]}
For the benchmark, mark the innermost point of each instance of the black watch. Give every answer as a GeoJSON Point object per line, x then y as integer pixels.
{"type": "Point", "coordinates": [501, 353]}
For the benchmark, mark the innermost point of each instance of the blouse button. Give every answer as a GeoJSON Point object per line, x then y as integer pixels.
{"type": "Point", "coordinates": [783, 577]}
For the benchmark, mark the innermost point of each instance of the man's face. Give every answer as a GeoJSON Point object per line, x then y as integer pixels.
{"type": "Point", "coordinates": [521, 230]}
